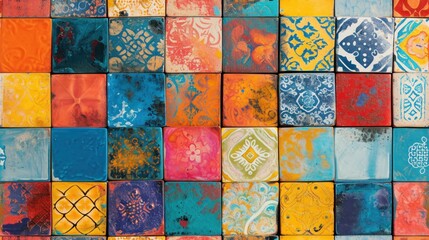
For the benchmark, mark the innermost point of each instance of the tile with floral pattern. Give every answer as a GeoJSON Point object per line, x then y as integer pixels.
{"type": "Point", "coordinates": [136, 8]}
{"type": "Point", "coordinates": [410, 8]}
{"type": "Point", "coordinates": [192, 8]}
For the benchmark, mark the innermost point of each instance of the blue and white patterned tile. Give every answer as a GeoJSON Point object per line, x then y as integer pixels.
{"type": "Point", "coordinates": [367, 8]}
{"type": "Point", "coordinates": [364, 44]}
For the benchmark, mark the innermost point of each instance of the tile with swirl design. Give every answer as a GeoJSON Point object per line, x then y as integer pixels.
{"type": "Point", "coordinates": [251, 8]}
{"type": "Point", "coordinates": [191, 8]}
{"type": "Point", "coordinates": [257, 211]}
{"type": "Point", "coordinates": [25, 45]}
{"type": "Point", "coordinates": [79, 45]}
{"type": "Point", "coordinates": [192, 153]}
{"type": "Point", "coordinates": [26, 8]}
{"type": "Point", "coordinates": [367, 8]}
{"type": "Point", "coordinates": [193, 208]}
{"type": "Point", "coordinates": [136, 8]}
{"type": "Point", "coordinates": [195, 238]}
{"type": "Point", "coordinates": [136, 208]}
{"type": "Point", "coordinates": [410, 8]}
{"type": "Point", "coordinates": [193, 100]}
{"type": "Point", "coordinates": [307, 44]}
{"type": "Point", "coordinates": [136, 44]}
{"type": "Point", "coordinates": [249, 154]}
{"type": "Point", "coordinates": [78, 8]}
{"type": "Point", "coordinates": [249, 100]}
{"type": "Point", "coordinates": [364, 44]}
{"type": "Point", "coordinates": [307, 7]}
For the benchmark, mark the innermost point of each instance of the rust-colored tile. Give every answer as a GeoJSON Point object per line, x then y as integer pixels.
{"type": "Point", "coordinates": [26, 8]}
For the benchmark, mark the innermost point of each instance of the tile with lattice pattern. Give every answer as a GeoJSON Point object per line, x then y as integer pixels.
{"type": "Point", "coordinates": [78, 8]}
{"type": "Point", "coordinates": [79, 208]}
{"type": "Point", "coordinates": [200, 8]}
{"type": "Point", "coordinates": [251, 8]}
{"type": "Point", "coordinates": [26, 8]}
{"type": "Point", "coordinates": [410, 8]}
{"type": "Point", "coordinates": [136, 8]}
{"type": "Point", "coordinates": [321, 8]}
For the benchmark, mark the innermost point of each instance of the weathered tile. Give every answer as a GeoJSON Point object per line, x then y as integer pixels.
{"type": "Point", "coordinates": [257, 214]}
{"type": "Point", "coordinates": [363, 209]}
{"type": "Point", "coordinates": [79, 154]}
{"type": "Point", "coordinates": [136, 208]}
{"type": "Point", "coordinates": [136, 44]}
{"type": "Point", "coordinates": [375, 237]}
{"type": "Point", "coordinates": [138, 238]}
{"type": "Point", "coordinates": [79, 45]}
{"type": "Point", "coordinates": [26, 100]}
{"type": "Point", "coordinates": [307, 99]}
{"type": "Point", "coordinates": [363, 99]}
{"type": "Point", "coordinates": [25, 237]}
{"type": "Point", "coordinates": [411, 43]}
{"type": "Point", "coordinates": [1, 98]}
{"type": "Point", "coordinates": [78, 8]}
{"type": "Point", "coordinates": [78, 100]}
{"type": "Point", "coordinates": [410, 207]}
{"type": "Point", "coordinates": [250, 45]}
{"type": "Point", "coordinates": [250, 8]}
{"type": "Point", "coordinates": [135, 153]}
{"type": "Point", "coordinates": [25, 208]}
{"type": "Point", "coordinates": [25, 45]}
{"type": "Point", "coordinates": [307, 7]}
{"type": "Point", "coordinates": [249, 100]}
{"type": "Point", "coordinates": [307, 208]}
{"type": "Point", "coordinates": [249, 154]}
{"type": "Point", "coordinates": [136, 100]}
{"type": "Point", "coordinates": [306, 154]}
{"type": "Point", "coordinates": [410, 8]}
{"type": "Point", "coordinates": [25, 154]}
{"type": "Point", "coordinates": [209, 8]}
{"type": "Point", "coordinates": [192, 153]}
{"type": "Point", "coordinates": [363, 154]}
{"type": "Point", "coordinates": [193, 100]}
{"type": "Point", "coordinates": [79, 208]}
{"type": "Point", "coordinates": [306, 237]}
{"type": "Point", "coordinates": [367, 8]}
{"type": "Point", "coordinates": [195, 238]}
{"type": "Point", "coordinates": [136, 8]}
{"type": "Point", "coordinates": [80, 238]}
{"type": "Point", "coordinates": [307, 44]}
{"type": "Point", "coordinates": [26, 8]}
{"type": "Point", "coordinates": [244, 237]}
{"type": "Point", "coordinates": [200, 51]}
{"type": "Point", "coordinates": [410, 238]}
{"type": "Point", "coordinates": [193, 208]}
{"type": "Point", "coordinates": [364, 44]}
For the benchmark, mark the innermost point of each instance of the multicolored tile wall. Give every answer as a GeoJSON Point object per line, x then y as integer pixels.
{"type": "Point", "coordinates": [211, 119]}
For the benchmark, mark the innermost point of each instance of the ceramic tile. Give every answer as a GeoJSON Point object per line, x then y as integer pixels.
{"type": "Point", "coordinates": [78, 100]}
{"type": "Point", "coordinates": [1, 99]}
{"type": "Point", "coordinates": [135, 153]}
{"type": "Point", "coordinates": [367, 8]}
{"type": "Point", "coordinates": [25, 238]}
{"type": "Point", "coordinates": [312, 7]}
{"type": "Point", "coordinates": [306, 154]}
{"type": "Point", "coordinates": [193, 208]}
{"type": "Point", "coordinates": [411, 208]}
{"type": "Point", "coordinates": [249, 154]}
{"type": "Point", "coordinates": [410, 238]}
{"type": "Point", "coordinates": [193, 100]}
{"type": "Point", "coordinates": [257, 214]}
{"type": "Point", "coordinates": [136, 44]}
{"type": "Point", "coordinates": [77, 238]}
{"type": "Point", "coordinates": [195, 238]}
{"type": "Point", "coordinates": [378, 237]}
{"type": "Point", "coordinates": [364, 44]}
{"type": "Point", "coordinates": [136, 208]}
{"type": "Point", "coordinates": [306, 237]}
{"type": "Point", "coordinates": [411, 42]}
{"type": "Point", "coordinates": [410, 154]}
{"type": "Point", "coordinates": [78, 8]}
{"type": "Point", "coordinates": [136, 8]}
{"type": "Point", "coordinates": [26, 8]}
{"type": "Point", "coordinates": [192, 153]}
{"type": "Point", "coordinates": [307, 99]}
{"type": "Point", "coordinates": [249, 100]}
{"type": "Point", "coordinates": [410, 108]}
{"type": "Point", "coordinates": [364, 99]}
{"type": "Point", "coordinates": [79, 208]}
{"type": "Point", "coordinates": [410, 8]}
{"type": "Point", "coordinates": [251, 8]}
{"type": "Point", "coordinates": [307, 44]}
{"type": "Point", "coordinates": [25, 45]}
{"type": "Point", "coordinates": [209, 8]}
{"type": "Point", "coordinates": [250, 45]}
{"type": "Point", "coordinates": [138, 238]}
{"type": "Point", "coordinates": [26, 208]}
{"type": "Point", "coordinates": [26, 100]}
{"type": "Point", "coordinates": [363, 154]}
{"type": "Point", "coordinates": [79, 45]}
{"type": "Point", "coordinates": [243, 237]}
{"type": "Point", "coordinates": [200, 51]}
{"type": "Point", "coordinates": [90, 164]}
{"type": "Point", "coordinates": [364, 209]}
{"type": "Point", "coordinates": [136, 100]}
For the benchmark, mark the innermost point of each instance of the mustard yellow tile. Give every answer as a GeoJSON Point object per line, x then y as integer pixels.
{"type": "Point", "coordinates": [307, 8]}
{"type": "Point", "coordinates": [1, 100]}
{"type": "Point", "coordinates": [26, 100]}
{"type": "Point", "coordinates": [79, 208]}
{"type": "Point", "coordinates": [307, 208]}
{"type": "Point", "coordinates": [307, 238]}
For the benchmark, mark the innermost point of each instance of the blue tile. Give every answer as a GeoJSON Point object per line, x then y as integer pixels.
{"type": "Point", "coordinates": [367, 8]}
{"type": "Point", "coordinates": [260, 8]}
{"type": "Point", "coordinates": [79, 154]}
{"type": "Point", "coordinates": [78, 8]}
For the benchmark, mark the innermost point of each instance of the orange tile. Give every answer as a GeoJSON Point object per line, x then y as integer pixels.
{"type": "Point", "coordinates": [26, 8]}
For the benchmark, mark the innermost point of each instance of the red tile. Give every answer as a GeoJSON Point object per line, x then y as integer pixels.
{"type": "Point", "coordinates": [26, 8]}
{"type": "Point", "coordinates": [411, 8]}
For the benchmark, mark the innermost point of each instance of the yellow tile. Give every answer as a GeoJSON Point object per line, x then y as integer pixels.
{"type": "Point", "coordinates": [307, 8]}
{"type": "Point", "coordinates": [26, 100]}
{"type": "Point", "coordinates": [307, 238]}
{"type": "Point", "coordinates": [307, 208]}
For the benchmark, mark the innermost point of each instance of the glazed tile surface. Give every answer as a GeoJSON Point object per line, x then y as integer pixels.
{"type": "Point", "coordinates": [368, 8]}
{"type": "Point", "coordinates": [250, 8]}
{"type": "Point", "coordinates": [307, 7]}
{"type": "Point", "coordinates": [209, 8]}
{"type": "Point", "coordinates": [136, 8]}
{"type": "Point", "coordinates": [78, 8]}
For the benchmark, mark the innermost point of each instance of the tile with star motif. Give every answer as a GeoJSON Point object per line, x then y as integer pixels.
{"type": "Point", "coordinates": [410, 8]}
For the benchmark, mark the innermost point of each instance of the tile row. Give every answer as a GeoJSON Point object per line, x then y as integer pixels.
{"type": "Point", "coordinates": [227, 237]}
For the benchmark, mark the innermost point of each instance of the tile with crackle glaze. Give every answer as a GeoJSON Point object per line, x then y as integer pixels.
{"type": "Point", "coordinates": [410, 8]}
{"type": "Point", "coordinates": [136, 208]}
{"type": "Point", "coordinates": [26, 8]}
{"type": "Point", "coordinates": [192, 153]}
{"type": "Point", "coordinates": [192, 8]}
{"type": "Point", "coordinates": [251, 8]}
{"type": "Point", "coordinates": [136, 8]}
{"type": "Point", "coordinates": [78, 100]}
{"type": "Point", "coordinates": [79, 154]}
{"type": "Point", "coordinates": [195, 238]}
{"type": "Point", "coordinates": [306, 154]}
{"type": "Point", "coordinates": [367, 8]}
{"type": "Point", "coordinates": [320, 8]}
{"type": "Point", "coordinates": [135, 153]}
{"type": "Point", "coordinates": [79, 208]}
{"type": "Point", "coordinates": [250, 100]}
{"type": "Point", "coordinates": [25, 208]}
{"type": "Point", "coordinates": [307, 44]}
{"type": "Point", "coordinates": [78, 8]}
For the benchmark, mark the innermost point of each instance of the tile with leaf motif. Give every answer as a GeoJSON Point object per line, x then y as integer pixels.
{"type": "Point", "coordinates": [410, 8]}
{"type": "Point", "coordinates": [26, 8]}
{"type": "Point", "coordinates": [191, 8]}
{"type": "Point", "coordinates": [136, 8]}
{"type": "Point", "coordinates": [321, 8]}
{"type": "Point", "coordinates": [78, 8]}
{"type": "Point", "coordinates": [251, 8]}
